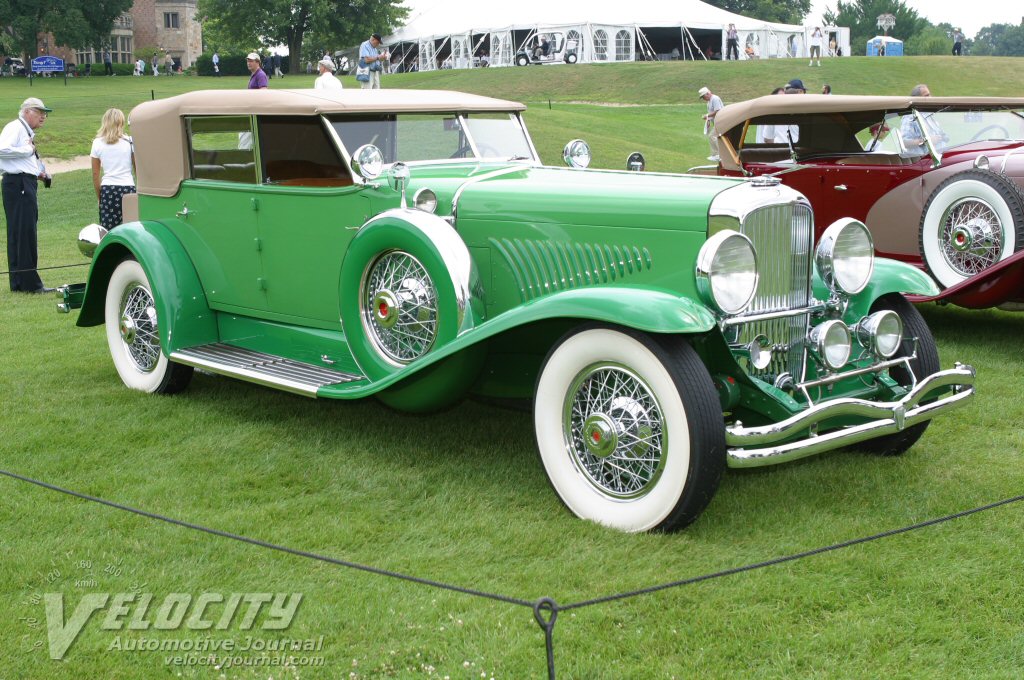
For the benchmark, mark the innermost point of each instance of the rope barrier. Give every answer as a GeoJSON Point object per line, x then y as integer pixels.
{"type": "Point", "coordinates": [545, 609]}
{"type": "Point", "coordinates": [43, 269]}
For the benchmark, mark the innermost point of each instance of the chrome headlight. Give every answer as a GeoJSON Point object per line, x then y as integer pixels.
{"type": "Point", "coordinates": [727, 272]}
{"type": "Point", "coordinates": [882, 332]}
{"type": "Point", "coordinates": [831, 341]}
{"type": "Point", "coordinates": [576, 154]}
{"type": "Point", "coordinates": [425, 200]}
{"type": "Point", "coordinates": [368, 161]}
{"type": "Point", "coordinates": [846, 256]}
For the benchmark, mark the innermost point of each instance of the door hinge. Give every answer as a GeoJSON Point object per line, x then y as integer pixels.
{"type": "Point", "coordinates": [255, 203]}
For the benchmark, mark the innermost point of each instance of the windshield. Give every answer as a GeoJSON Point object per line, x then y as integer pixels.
{"type": "Point", "coordinates": [944, 129]}
{"type": "Point", "coordinates": [436, 136]}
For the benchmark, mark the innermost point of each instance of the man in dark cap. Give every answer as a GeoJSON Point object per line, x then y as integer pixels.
{"type": "Point", "coordinates": [796, 86]}
{"type": "Point", "coordinates": [371, 57]}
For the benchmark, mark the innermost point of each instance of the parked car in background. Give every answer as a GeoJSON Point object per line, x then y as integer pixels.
{"type": "Point", "coordinates": [410, 245]}
{"type": "Point", "coordinates": [937, 180]}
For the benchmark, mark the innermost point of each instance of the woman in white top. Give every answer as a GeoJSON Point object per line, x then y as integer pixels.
{"type": "Point", "coordinates": [112, 153]}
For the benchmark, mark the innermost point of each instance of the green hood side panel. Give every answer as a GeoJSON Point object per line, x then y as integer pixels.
{"type": "Point", "coordinates": [184, 317]}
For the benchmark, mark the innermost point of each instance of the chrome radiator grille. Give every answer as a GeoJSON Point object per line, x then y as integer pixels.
{"type": "Point", "coordinates": [782, 236]}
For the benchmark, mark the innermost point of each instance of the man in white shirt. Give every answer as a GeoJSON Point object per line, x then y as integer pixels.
{"type": "Point", "coordinates": [19, 161]}
{"type": "Point", "coordinates": [327, 79]}
{"type": "Point", "coordinates": [714, 106]}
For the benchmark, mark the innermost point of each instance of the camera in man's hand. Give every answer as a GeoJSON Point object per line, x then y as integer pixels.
{"type": "Point", "coordinates": [47, 181]}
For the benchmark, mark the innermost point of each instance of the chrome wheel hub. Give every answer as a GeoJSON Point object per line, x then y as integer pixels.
{"type": "Point", "coordinates": [138, 328]}
{"type": "Point", "coordinates": [615, 431]}
{"type": "Point", "coordinates": [972, 236]}
{"type": "Point", "coordinates": [400, 307]}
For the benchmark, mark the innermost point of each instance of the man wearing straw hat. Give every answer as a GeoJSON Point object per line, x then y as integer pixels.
{"type": "Point", "coordinates": [327, 79]}
{"type": "Point", "coordinates": [22, 170]}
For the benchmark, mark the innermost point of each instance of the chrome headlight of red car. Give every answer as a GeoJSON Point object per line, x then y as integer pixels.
{"type": "Point", "coordinates": [846, 256]}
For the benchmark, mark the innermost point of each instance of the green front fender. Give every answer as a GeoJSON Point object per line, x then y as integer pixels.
{"type": "Point", "coordinates": [643, 309]}
{"type": "Point", "coordinates": [890, 276]}
{"type": "Point", "coordinates": [184, 317]}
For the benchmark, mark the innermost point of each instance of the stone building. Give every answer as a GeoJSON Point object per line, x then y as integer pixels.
{"type": "Point", "coordinates": [169, 26]}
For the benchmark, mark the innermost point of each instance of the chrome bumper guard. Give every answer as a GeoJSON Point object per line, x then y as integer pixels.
{"type": "Point", "coordinates": [755, 446]}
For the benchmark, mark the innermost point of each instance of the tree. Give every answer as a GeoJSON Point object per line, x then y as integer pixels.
{"type": "Point", "coordinates": [274, 22]}
{"type": "Point", "coordinates": [1000, 40]}
{"type": "Point", "coordinates": [862, 17]}
{"type": "Point", "coordinates": [782, 11]}
{"type": "Point", "coordinates": [76, 23]}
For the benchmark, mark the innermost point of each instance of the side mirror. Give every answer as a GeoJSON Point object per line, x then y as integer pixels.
{"type": "Point", "coordinates": [368, 162]}
{"type": "Point", "coordinates": [635, 162]}
{"type": "Point", "coordinates": [576, 154]}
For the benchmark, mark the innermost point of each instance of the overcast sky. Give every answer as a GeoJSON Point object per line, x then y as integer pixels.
{"type": "Point", "coordinates": [969, 15]}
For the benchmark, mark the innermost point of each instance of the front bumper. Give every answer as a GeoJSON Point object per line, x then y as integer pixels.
{"type": "Point", "coordinates": [759, 446]}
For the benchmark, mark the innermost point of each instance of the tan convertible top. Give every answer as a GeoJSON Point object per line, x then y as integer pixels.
{"type": "Point", "coordinates": [737, 114]}
{"type": "Point", "coordinates": [159, 136]}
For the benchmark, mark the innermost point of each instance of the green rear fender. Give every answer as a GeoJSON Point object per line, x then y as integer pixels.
{"type": "Point", "coordinates": [184, 317]}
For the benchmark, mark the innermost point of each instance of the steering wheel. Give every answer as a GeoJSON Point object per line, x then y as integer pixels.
{"type": "Point", "coordinates": [486, 150]}
{"type": "Point", "coordinates": [982, 133]}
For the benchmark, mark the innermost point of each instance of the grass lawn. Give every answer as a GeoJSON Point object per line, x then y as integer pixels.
{"type": "Point", "coordinates": [460, 497]}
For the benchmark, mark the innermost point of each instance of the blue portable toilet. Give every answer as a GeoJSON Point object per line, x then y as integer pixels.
{"type": "Point", "coordinates": [892, 47]}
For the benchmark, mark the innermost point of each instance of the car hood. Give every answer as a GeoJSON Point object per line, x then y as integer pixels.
{"type": "Point", "coordinates": [549, 195]}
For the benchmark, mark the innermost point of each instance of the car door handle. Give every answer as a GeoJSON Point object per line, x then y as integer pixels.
{"type": "Point", "coordinates": [184, 212]}
{"type": "Point", "coordinates": [840, 187]}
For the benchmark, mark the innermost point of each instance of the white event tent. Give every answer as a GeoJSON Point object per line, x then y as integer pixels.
{"type": "Point", "coordinates": [472, 33]}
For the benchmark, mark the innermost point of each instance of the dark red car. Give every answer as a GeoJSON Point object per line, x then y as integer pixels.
{"type": "Point", "coordinates": [937, 180]}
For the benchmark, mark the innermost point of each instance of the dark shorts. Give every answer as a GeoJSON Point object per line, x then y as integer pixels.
{"type": "Point", "coordinates": [110, 204]}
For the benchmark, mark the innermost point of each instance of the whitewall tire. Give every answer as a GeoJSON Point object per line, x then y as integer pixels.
{"type": "Point", "coordinates": [971, 221]}
{"type": "Point", "coordinates": [133, 334]}
{"type": "Point", "coordinates": [629, 429]}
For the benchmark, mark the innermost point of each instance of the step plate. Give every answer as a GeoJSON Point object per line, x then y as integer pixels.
{"type": "Point", "coordinates": [264, 369]}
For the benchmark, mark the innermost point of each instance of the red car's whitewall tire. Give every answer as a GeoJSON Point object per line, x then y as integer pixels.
{"type": "Point", "coordinates": [972, 220]}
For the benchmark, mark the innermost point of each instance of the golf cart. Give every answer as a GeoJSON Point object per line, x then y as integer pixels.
{"type": "Point", "coordinates": [548, 48]}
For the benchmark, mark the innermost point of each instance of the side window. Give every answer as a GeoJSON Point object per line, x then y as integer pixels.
{"type": "Point", "coordinates": [297, 151]}
{"type": "Point", "coordinates": [221, 149]}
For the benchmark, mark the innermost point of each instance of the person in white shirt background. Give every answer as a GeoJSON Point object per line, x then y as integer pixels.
{"type": "Point", "coordinates": [113, 158]}
{"type": "Point", "coordinates": [22, 168]}
{"type": "Point", "coordinates": [327, 79]}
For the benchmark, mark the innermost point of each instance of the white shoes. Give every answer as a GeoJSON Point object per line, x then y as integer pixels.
{"type": "Point", "coordinates": [714, 159]}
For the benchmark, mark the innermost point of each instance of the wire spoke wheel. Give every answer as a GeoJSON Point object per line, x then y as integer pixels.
{"type": "Point", "coordinates": [629, 428]}
{"type": "Point", "coordinates": [972, 236]}
{"type": "Point", "coordinates": [616, 432]}
{"type": "Point", "coordinates": [972, 221]}
{"type": "Point", "coordinates": [399, 304]}
{"type": "Point", "coordinates": [133, 334]}
{"type": "Point", "coordinates": [138, 328]}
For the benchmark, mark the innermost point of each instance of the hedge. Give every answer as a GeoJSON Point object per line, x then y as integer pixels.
{"type": "Point", "coordinates": [231, 65]}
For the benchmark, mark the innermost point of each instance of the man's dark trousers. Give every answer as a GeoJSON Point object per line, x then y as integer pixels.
{"type": "Point", "coordinates": [22, 213]}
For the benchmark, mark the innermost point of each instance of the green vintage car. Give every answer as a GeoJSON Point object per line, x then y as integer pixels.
{"type": "Point", "coordinates": [410, 245]}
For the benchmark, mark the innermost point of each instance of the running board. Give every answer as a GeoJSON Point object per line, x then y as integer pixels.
{"type": "Point", "coordinates": [260, 368]}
